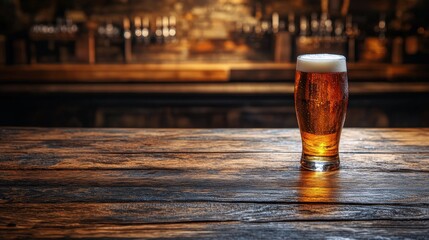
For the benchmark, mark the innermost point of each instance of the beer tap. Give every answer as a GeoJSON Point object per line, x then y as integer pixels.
{"type": "Point", "coordinates": [314, 25]}
{"type": "Point", "coordinates": [137, 28]}
{"type": "Point", "coordinates": [303, 26]}
{"type": "Point", "coordinates": [381, 27]}
{"type": "Point", "coordinates": [291, 23]}
{"type": "Point", "coordinates": [127, 40]}
{"type": "Point", "coordinates": [165, 29]}
{"type": "Point", "coordinates": [275, 22]}
{"type": "Point", "coordinates": [339, 29]}
{"type": "Point", "coordinates": [158, 30]}
{"type": "Point", "coordinates": [352, 32]}
{"type": "Point", "coordinates": [145, 30]}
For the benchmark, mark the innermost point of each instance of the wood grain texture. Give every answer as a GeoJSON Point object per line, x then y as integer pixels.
{"type": "Point", "coordinates": [248, 186]}
{"type": "Point", "coordinates": [41, 215]}
{"type": "Point", "coordinates": [210, 183]}
{"type": "Point", "coordinates": [230, 230]}
{"type": "Point", "coordinates": [351, 134]}
{"type": "Point", "coordinates": [202, 161]}
{"type": "Point", "coordinates": [210, 141]}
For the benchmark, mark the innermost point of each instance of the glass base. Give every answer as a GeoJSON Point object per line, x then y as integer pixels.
{"type": "Point", "coordinates": [320, 164]}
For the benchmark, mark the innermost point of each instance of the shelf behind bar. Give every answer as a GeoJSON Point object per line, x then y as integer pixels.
{"type": "Point", "coordinates": [197, 72]}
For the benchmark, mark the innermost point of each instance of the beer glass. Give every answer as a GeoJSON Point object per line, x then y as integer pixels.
{"type": "Point", "coordinates": [321, 98]}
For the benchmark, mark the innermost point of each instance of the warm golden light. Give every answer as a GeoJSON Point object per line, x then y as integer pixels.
{"type": "Point", "coordinates": [317, 186]}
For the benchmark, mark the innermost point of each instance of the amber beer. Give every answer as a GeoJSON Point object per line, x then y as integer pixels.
{"type": "Point", "coordinates": [321, 98]}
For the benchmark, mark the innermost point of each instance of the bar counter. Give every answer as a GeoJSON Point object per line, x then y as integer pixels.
{"type": "Point", "coordinates": [217, 183]}
{"type": "Point", "coordinates": [200, 78]}
{"type": "Point", "coordinates": [197, 72]}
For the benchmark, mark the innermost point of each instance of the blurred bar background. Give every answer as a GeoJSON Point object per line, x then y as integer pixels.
{"type": "Point", "coordinates": [206, 63]}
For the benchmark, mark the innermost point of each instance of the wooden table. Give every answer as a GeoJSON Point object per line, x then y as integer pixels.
{"type": "Point", "coordinates": [219, 183]}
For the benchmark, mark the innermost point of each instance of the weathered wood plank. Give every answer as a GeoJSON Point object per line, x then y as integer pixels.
{"type": "Point", "coordinates": [231, 230]}
{"type": "Point", "coordinates": [157, 145]}
{"type": "Point", "coordinates": [254, 145]}
{"type": "Point", "coordinates": [238, 183]}
{"type": "Point", "coordinates": [204, 161]}
{"type": "Point", "coordinates": [28, 133]}
{"type": "Point", "coordinates": [189, 140]}
{"type": "Point", "coordinates": [288, 186]}
{"type": "Point", "coordinates": [229, 178]}
{"type": "Point", "coordinates": [43, 215]}
{"type": "Point", "coordinates": [41, 134]}
{"type": "Point", "coordinates": [214, 161]}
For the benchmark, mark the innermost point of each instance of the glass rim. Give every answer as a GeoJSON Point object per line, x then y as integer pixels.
{"type": "Point", "coordinates": [323, 63]}
{"type": "Point", "coordinates": [318, 57]}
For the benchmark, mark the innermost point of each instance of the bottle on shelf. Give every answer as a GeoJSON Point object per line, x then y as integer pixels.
{"type": "Point", "coordinates": [284, 46]}
{"type": "Point", "coordinates": [375, 47]}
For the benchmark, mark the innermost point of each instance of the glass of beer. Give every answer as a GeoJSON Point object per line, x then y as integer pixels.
{"type": "Point", "coordinates": [321, 98]}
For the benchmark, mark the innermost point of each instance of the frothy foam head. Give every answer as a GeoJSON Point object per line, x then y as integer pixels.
{"type": "Point", "coordinates": [321, 63]}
